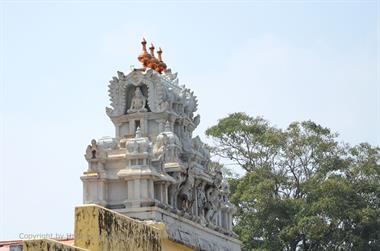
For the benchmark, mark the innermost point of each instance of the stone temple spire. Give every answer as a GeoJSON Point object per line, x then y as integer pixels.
{"type": "Point", "coordinates": [153, 168]}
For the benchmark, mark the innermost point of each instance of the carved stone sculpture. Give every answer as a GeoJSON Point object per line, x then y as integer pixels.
{"type": "Point", "coordinates": [201, 202]}
{"type": "Point", "coordinates": [96, 156]}
{"type": "Point", "coordinates": [159, 148]}
{"type": "Point", "coordinates": [186, 192]}
{"type": "Point", "coordinates": [92, 151]}
{"type": "Point", "coordinates": [138, 102]}
{"type": "Point", "coordinates": [212, 204]}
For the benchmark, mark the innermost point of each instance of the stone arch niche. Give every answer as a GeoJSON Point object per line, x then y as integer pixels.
{"type": "Point", "coordinates": [130, 92]}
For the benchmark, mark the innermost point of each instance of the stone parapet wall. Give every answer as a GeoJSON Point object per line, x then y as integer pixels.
{"type": "Point", "coordinates": [48, 245]}
{"type": "Point", "coordinates": [184, 231]}
{"type": "Point", "coordinates": [97, 229]}
{"type": "Point", "coordinates": [101, 229]}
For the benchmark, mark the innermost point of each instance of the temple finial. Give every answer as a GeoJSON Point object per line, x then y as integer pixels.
{"type": "Point", "coordinates": [143, 42]}
{"type": "Point", "coordinates": [151, 48]}
{"type": "Point", "coordinates": [153, 62]}
{"type": "Point", "coordinates": [159, 53]}
{"type": "Point", "coordinates": [144, 56]}
{"type": "Point", "coordinates": [138, 133]}
{"type": "Point", "coordinates": [161, 65]}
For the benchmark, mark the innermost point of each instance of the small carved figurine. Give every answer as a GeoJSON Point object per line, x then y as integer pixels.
{"type": "Point", "coordinates": [92, 150]}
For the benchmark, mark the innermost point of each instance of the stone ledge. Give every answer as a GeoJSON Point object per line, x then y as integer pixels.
{"type": "Point", "coordinates": [135, 213]}
{"type": "Point", "coordinates": [182, 230]}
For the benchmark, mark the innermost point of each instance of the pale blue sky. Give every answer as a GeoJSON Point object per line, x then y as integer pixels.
{"type": "Point", "coordinates": [284, 60]}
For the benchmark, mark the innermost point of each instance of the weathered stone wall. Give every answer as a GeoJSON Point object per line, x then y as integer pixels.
{"type": "Point", "coordinates": [97, 228]}
{"type": "Point", "coordinates": [47, 245]}
{"type": "Point", "coordinates": [100, 229]}
{"type": "Point", "coordinates": [168, 244]}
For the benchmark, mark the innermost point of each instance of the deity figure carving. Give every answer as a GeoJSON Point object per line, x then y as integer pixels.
{"type": "Point", "coordinates": [167, 146]}
{"type": "Point", "coordinates": [218, 178]}
{"type": "Point", "coordinates": [212, 203]}
{"type": "Point", "coordinates": [174, 147]}
{"type": "Point", "coordinates": [186, 190]}
{"type": "Point", "coordinates": [164, 105]}
{"type": "Point", "coordinates": [187, 142]}
{"type": "Point", "coordinates": [190, 102]}
{"type": "Point", "coordinates": [138, 102]}
{"type": "Point", "coordinates": [167, 99]}
{"type": "Point", "coordinates": [159, 148]}
{"type": "Point", "coordinates": [92, 150]}
{"type": "Point", "coordinates": [201, 201]}
{"type": "Point", "coordinates": [224, 191]}
{"type": "Point", "coordinates": [95, 155]}
{"type": "Point", "coordinates": [173, 191]}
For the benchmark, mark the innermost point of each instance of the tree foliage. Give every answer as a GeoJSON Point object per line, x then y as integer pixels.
{"type": "Point", "coordinates": [303, 190]}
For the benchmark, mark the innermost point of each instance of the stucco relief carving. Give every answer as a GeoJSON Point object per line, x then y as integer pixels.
{"type": "Point", "coordinates": [95, 151]}
{"type": "Point", "coordinates": [138, 102]}
{"type": "Point", "coordinates": [96, 157]}
{"type": "Point", "coordinates": [186, 192]}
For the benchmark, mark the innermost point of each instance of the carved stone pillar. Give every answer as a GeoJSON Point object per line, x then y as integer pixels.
{"type": "Point", "coordinates": [117, 130]}
{"type": "Point", "coordinates": [93, 189]}
{"type": "Point", "coordinates": [161, 125]}
{"type": "Point", "coordinates": [144, 126]}
{"type": "Point", "coordinates": [132, 129]}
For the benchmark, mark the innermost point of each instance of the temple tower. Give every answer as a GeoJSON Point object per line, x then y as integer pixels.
{"type": "Point", "coordinates": [153, 168]}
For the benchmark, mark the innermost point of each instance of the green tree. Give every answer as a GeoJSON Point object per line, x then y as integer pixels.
{"type": "Point", "coordinates": [302, 189]}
